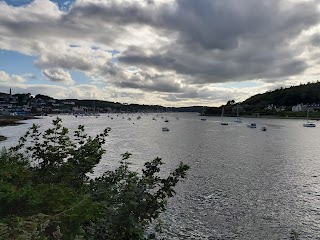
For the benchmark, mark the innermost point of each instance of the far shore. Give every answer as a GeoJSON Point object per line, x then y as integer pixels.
{"type": "Point", "coordinates": [265, 116]}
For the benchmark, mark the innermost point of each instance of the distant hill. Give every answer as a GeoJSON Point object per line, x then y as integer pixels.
{"type": "Point", "coordinates": [304, 93]}
{"type": "Point", "coordinates": [132, 107]}
{"type": "Point", "coordinates": [282, 100]}
{"type": "Point", "coordinates": [105, 106]}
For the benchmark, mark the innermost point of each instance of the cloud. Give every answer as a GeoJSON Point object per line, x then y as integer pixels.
{"type": "Point", "coordinates": [315, 40]}
{"type": "Point", "coordinates": [5, 77]}
{"type": "Point", "coordinates": [177, 48]}
{"type": "Point", "coordinates": [29, 75]}
{"type": "Point", "coordinates": [150, 82]}
{"type": "Point", "coordinates": [226, 41]}
{"type": "Point", "coordinates": [58, 75]}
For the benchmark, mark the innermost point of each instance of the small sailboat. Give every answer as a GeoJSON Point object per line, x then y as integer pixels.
{"type": "Point", "coordinates": [94, 110]}
{"type": "Point", "coordinates": [238, 120]}
{"type": "Point", "coordinates": [222, 121]}
{"type": "Point", "coordinates": [308, 124]}
{"type": "Point", "coordinates": [202, 114]}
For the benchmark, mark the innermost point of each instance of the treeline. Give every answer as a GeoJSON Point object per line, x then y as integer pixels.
{"type": "Point", "coordinates": [281, 101]}
{"type": "Point", "coordinates": [304, 93]}
{"type": "Point", "coordinates": [132, 107]}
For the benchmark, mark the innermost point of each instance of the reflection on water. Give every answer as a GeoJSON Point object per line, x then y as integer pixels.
{"type": "Point", "coordinates": [243, 183]}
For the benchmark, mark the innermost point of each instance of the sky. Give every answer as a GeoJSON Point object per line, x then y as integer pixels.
{"type": "Point", "coordinates": [167, 52]}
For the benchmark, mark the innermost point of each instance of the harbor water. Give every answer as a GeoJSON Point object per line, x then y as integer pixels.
{"type": "Point", "coordinates": [243, 183]}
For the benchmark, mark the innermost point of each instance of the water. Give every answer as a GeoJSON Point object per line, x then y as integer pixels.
{"type": "Point", "coordinates": [243, 183]}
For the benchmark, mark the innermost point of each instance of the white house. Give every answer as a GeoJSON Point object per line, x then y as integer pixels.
{"type": "Point", "coordinates": [299, 108]}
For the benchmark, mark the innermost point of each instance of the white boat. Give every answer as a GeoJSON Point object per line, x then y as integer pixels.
{"type": "Point", "coordinates": [238, 120]}
{"type": "Point", "coordinates": [252, 125]}
{"type": "Point", "coordinates": [165, 129]}
{"type": "Point", "coordinates": [223, 122]}
{"type": "Point", "coordinates": [308, 124]}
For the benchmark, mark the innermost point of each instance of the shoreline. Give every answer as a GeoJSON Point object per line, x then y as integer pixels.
{"type": "Point", "coordinates": [265, 116]}
{"type": "Point", "coordinates": [3, 138]}
{"type": "Point", "coordinates": [12, 121]}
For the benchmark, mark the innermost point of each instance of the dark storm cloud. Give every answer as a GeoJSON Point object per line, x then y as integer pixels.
{"type": "Point", "coordinates": [221, 41]}
{"type": "Point", "coordinates": [148, 87]}
{"type": "Point", "coordinates": [315, 40]}
{"type": "Point", "coordinates": [112, 12]}
{"type": "Point", "coordinates": [201, 94]}
{"type": "Point", "coordinates": [156, 83]}
{"type": "Point", "coordinates": [160, 61]}
{"type": "Point", "coordinates": [64, 61]}
{"type": "Point", "coordinates": [212, 24]}
{"type": "Point", "coordinates": [206, 41]}
{"type": "Point", "coordinates": [216, 24]}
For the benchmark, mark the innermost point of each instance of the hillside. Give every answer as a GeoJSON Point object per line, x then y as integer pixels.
{"type": "Point", "coordinates": [308, 93]}
{"type": "Point", "coordinates": [281, 100]}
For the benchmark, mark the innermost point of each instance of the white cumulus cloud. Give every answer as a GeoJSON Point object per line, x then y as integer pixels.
{"type": "Point", "coordinates": [58, 75]}
{"type": "Point", "coordinates": [5, 77]}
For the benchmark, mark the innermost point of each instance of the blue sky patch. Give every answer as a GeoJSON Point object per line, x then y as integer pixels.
{"type": "Point", "coordinates": [17, 63]}
{"type": "Point", "coordinates": [64, 5]}
{"type": "Point", "coordinates": [17, 3]}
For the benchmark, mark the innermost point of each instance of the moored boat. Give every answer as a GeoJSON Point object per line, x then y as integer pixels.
{"type": "Point", "coordinates": [252, 125]}
{"type": "Point", "coordinates": [308, 124]}
{"type": "Point", "coordinates": [238, 119]}
{"type": "Point", "coordinates": [222, 115]}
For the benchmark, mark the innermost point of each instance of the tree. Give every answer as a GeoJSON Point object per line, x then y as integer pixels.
{"type": "Point", "coordinates": [230, 102]}
{"type": "Point", "coordinates": [45, 191]}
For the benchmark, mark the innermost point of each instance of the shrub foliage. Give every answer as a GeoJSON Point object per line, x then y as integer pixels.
{"type": "Point", "coordinates": [45, 191]}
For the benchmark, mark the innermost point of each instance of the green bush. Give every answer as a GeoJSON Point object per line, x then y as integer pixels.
{"type": "Point", "coordinates": [45, 191]}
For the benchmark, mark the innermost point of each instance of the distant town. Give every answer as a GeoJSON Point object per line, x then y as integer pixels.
{"type": "Point", "coordinates": [26, 104]}
{"type": "Point", "coordinates": [289, 102]}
